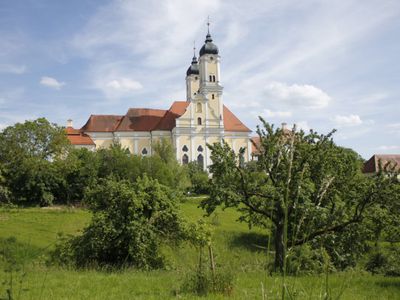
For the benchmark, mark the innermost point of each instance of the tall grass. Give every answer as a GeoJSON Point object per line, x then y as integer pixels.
{"type": "Point", "coordinates": [234, 245]}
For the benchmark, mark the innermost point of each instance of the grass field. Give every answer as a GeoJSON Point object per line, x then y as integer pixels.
{"type": "Point", "coordinates": [32, 232]}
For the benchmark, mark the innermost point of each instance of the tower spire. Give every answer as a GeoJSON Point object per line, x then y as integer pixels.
{"type": "Point", "coordinates": [208, 25]}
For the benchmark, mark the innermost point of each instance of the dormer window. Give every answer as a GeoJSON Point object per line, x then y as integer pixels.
{"type": "Point", "coordinates": [198, 121]}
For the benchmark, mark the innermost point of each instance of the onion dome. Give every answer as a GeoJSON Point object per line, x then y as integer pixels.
{"type": "Point", "coordinates": [209, 47]}
{"type": "Point", "coordinates": [193, 68]}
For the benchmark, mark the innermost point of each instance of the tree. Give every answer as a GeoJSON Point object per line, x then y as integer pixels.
{"type": "Point", "coordinates": [27, 151]}
{"type": "Point", "coordinates": [38, 138]}
{"type": "Point", "coordinates": [302, 187]}
{"type": "Point", "coordinates": [130, 221]}
{"type": "Point", "coordinates": [199, 178]}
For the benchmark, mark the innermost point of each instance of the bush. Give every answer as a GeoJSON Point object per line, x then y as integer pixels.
{"type": "Point", "coordinates": [202, 282]}
{"type": "Point", "coordinates": [305, 260]}
{"type": "Point", "coordinates": [199, 179]}
{"type": "Point", "coordinates": [384, 261]}
{"type": "Point", "coordinates": [130, 221]}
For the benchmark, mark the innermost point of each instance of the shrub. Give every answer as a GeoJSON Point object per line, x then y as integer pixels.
{"type": "Point", "coordinates": [129, 223]}
{"type": "Point", "coordinates": [202, 282]}
{"type": "Point", "coordinates": [384, 261]}
{"type": "Point", "coordinates": [199, 179]}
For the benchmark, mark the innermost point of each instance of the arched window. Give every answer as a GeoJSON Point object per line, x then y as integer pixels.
{"type": "Point", "coordinates": [210, 78]}
{"type": "Point", "coordinates": [212, 96]}
{"type": "Point", "coordinates": [213, 78]}
{"type": "Point", "coordinates": [200, 148]}
{"type": "Point", "coordinates": [200, 160]}
{"type": "Point", "coordinates": [198, 108]}
{"type": "Point", "coordinates": [198, 121]}
{"type": "Point", "coordinates": [185, 148]}
{"type": "Point", "coordinates": [144, 152]}
{"type": "Point", "coordinates": [185, 159]}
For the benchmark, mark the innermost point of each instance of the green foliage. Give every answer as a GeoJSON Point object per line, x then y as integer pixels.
{"type": "Point", "coordinates": [199, 178]}
{"type": "Point", "coordinates": [37, 138]}
{"type": "Point", "coordinates": [38, 166]}
{"type": "Point", "coordinates": [202, 282]}
{"type": "Point", "coordinates": [79, 170]}
{"type": "Point", "coordinates": [303, 188]}
{"type": "Point", "coordinates": [129, 224]}
{"type": "Point", "coordinates": [27, 152]}
{"type": "Point", "coordinates": [204, 279]}
{"type": "Point", "coordinates": [304, 260]}
{"type": "Point", "coordinates": [5, 193]}
{"type": "Point", "coordinates": [384, 261]}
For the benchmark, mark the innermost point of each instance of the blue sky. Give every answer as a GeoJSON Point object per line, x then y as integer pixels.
{"type": "Point", "coordinates": [319, 64]}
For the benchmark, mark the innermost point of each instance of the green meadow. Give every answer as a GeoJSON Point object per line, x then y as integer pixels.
{"type": "Point", "coordinates": [30, 233]}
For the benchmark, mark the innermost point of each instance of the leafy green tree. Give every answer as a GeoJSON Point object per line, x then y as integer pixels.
{"type": "Point", "coordinates": [38, 138]}
{"type": "Point", "coordinates": [130, 221]}
{"type": "Point", "coordinates": [27, 151]}
{"type": "Point", "coordinates": [79, 170]}
{"type": "Point", "coordinates": [198, 178]}
{"type": "Point", "coordinates": [4, 191]}
{"type": "Point", "coordinates": [302, 187]}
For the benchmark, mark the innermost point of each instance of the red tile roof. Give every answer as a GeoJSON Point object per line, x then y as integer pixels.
{"type": "Point", "coordinates": [255, 144]}
{"type": "Point", "coordinates": [232, 123]}
{"type": "Point", "coordinates": [102, 123]}
{"type": "Point", "coordinates": [78, 138]}
{"type": "Point", "coordinates": [176, 110]}
{"type": "Point", "coordinates": [146, 119]}
{"type": "Point", "coordinates": [372, 165]}
{"type": "Point", "coordinates": [141, 119]}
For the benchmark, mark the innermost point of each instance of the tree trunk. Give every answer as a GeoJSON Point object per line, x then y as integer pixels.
{"type": "Point", "coordinates": [279, 247]}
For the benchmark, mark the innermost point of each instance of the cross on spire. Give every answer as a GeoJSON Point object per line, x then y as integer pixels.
{"type": "Point", "coordinates": [194, 48]}
{"type": "Point", "coordinates": [208, 24]}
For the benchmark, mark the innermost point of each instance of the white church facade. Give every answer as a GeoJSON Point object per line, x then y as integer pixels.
{"type": "Point", "coordinates": [189, 125]}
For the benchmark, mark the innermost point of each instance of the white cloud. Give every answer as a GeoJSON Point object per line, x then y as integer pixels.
{"type": "Point", "coordinates": [12, 69]}
{"type": "Point", "coordinates": [394, 126]}
{"type": "Point", "coordinates": [124, 84]}
{"type": "Point", "coordinates": [350, 120]}
{"type": "Point", "coordinates": [114, 81]}
{"type": "Point", "coordinates": [307, 96]}
{"type": "Point", "coordinates": [51, 82]}
{"type": "Point", "coordinates": [279, 114]}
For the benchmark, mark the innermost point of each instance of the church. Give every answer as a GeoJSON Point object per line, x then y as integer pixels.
{"type": "Point", "coordinates": [189, 125]}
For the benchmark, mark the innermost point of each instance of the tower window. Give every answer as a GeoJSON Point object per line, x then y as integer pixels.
{"type": "Point", "coordinates": [200, 148]}
{"type": "Point", "coordinates": [200, 160]}
{"type": "Point", "coordinates": [210, 78]}
{"type": "Point", "coordinates": [212, 96]}
{"type": "Point", "coordinates": [198, 121]}
{"type": "Point", "coordinates": [198, 108]}
{"type": "Point", "coordinates": [213, 78]}
{"type": "Point", "coordinates": [185, 148]}
{"type": "Point", "coordinates": [195, 78]}
{"type": "Point", "coordinates": [185, 159]}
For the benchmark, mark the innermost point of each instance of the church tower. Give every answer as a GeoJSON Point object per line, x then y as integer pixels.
{"type": "Point", "coordinates": [210, 78]}
{"type": "Point", "coordinates": [192, 78]}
